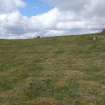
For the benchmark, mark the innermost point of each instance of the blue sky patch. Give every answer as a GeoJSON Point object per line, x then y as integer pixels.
{"type": "Point", "coordinates": [35, 7]}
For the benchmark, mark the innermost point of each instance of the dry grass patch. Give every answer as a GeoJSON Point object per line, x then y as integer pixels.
{"type": "Point", "coordinates": [61, 83]}
{"type": "Point", "coordinates": [74, 74]}
{"type": "Point", "coordinates": [46, 101]}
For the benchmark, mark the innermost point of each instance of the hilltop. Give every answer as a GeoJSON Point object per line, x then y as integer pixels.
{"type": "Point", "coordinates": [53, 71]}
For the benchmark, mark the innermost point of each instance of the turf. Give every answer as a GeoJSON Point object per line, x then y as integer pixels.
{"type": "Point", "coordinates": [53, 71]}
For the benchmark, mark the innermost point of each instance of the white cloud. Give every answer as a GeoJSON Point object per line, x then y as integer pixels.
{"type": "Point", "coordinates": [67, 17]}
{"type": "Point", "coordinates": [14, 24]}
{"type": "Point", "coordinates": [7, 6]}
{"type": "Point", "coordinates": [46, 20]}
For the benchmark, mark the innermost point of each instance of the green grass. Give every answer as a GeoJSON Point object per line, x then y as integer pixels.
{"type": "Point", "coordinates": [53, 71]}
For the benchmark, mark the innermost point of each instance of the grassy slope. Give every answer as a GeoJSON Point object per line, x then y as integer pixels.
{"type": "Point", "coordinates": [53, 71]}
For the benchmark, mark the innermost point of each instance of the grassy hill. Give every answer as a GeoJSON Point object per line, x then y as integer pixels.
{"type": "Point", "coordinates": [53, 71]}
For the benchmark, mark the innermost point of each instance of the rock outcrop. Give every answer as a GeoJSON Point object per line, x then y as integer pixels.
{"type": "Point", "coordinates": [103, 30]}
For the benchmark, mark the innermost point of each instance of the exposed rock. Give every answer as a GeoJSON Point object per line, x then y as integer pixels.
{"type": "Point", "coordinates": [38, 37]}
{"type": "Point", "coordinates": [103, 30]}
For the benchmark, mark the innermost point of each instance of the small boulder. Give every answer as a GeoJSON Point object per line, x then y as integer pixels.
{"type": "Point", "coordinates": [94, 38]}
{"type": "Point", "coordinates": [38, 37]}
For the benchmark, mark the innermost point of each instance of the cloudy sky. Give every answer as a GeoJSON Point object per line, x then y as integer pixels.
{"type": "Point", "coordinates": [31, 18]}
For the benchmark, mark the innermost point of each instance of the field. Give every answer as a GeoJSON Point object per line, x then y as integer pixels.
{"type": "Point", "coordinates": [66, 70]}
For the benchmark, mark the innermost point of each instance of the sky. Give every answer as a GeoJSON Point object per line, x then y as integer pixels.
{"type": "Point", "coordinates": [22, 19]}
{"type": "Point", "coordinates": [35, 7]}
